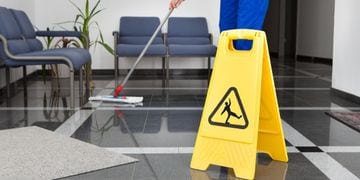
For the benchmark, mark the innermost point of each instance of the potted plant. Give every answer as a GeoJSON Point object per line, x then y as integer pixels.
{"type": "Point", "coordinates": [84, 21]}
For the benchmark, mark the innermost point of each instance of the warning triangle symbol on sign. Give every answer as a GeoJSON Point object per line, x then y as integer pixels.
{"type": "Point", "coordinates": [230, 111]}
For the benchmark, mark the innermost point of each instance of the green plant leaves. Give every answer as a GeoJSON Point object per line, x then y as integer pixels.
{"type": "Point", "coordinates": [84, 22]}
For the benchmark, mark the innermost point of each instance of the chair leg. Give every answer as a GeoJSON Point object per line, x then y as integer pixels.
{"type": "Point", "coordinates": [116, 67]}
{"type": "Point", "coordinates": [72, 90]}
{"type": "Point", "coordinates": [167, 69]}
{"type": "Point", "coordinates": [81, 85]}
{"type": "Point", "coordinates": [163, 66]}
{"type": "Point", "coordinates": [209, 67]}
{"type": "Point", "coordinates": [7, 82]}
{"type": "Point", "coordinates": [25, 81]}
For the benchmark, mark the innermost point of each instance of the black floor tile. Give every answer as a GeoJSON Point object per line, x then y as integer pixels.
{"type": "Point", "coordinates": [320, 128]}
{"type": "Point", "coordinates": [301, 83]}
{"type": "Point", "coordinates": [320, 98]}
{"type": "Point", "coordinates": [140, 128]}
{"type": "Point", "coordinates": [305, 149]}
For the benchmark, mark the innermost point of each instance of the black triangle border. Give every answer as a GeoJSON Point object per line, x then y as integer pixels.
{"type": "Point", "coordinates": [241, 107]}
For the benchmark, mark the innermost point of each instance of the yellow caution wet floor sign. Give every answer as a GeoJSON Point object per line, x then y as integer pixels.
{"type": "Point", "coordinates": [241, 115]}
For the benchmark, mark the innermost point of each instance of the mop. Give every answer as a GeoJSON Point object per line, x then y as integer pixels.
{"type": "Point", "coordinates": [131, 99]}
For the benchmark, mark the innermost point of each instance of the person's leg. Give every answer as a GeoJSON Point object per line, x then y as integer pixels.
{"type": "Point", "coordinates": [228, 14]}
{"type": "Point", "coordinates": [250, 15]}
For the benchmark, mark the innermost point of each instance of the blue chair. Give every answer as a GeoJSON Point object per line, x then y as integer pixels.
{"type": "Point", "coordinates": [133, 34]}
{"type": "Point", "coordinates": [19, 47]}
{"type": "Point", "coordinates": [189, 37]}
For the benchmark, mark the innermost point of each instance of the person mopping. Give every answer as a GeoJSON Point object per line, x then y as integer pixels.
{"type": "Point", "coordinates": [238, 14]}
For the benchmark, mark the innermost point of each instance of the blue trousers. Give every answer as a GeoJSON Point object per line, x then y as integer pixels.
{"type": "Point", "coordinates": [242, 14]}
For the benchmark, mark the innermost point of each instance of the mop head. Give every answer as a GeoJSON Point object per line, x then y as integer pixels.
{"type": "Point", "coordinates": [120, 99]}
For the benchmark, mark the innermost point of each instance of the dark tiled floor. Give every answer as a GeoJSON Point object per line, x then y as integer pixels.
{"type": "Point", "coordinates": [169, 118]}
{"type": "Point", "coordinates": [176, 167]}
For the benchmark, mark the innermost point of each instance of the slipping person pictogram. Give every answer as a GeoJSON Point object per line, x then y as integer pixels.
{"type": "Point", "coordinates": [227, 108]}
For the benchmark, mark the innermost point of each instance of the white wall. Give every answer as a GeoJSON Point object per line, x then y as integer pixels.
{"type": "Point", "coordinates": [315, 28]}
{"type": "Point", "coordinates": [346, 65]}
{"type": "Point", "coordinates": [29, 7]}
{"type": "Point", "coordinates": [49, 12]}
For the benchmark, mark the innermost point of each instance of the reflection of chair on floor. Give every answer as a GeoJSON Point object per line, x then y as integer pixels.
{"type": "Point", "coordinates": [189, 121]}
{"type": "Point", "coordinates": [132, 123]}
{"type": "Point", "coordinates": [19, 47]}
{"type": "Point", "coordinates": [133, 35]}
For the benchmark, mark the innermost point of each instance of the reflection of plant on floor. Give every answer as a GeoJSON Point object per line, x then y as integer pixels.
{"type": "Point", "coordinates": [84, 21]}
{"type": "Point", "coordinates": [51, 110]}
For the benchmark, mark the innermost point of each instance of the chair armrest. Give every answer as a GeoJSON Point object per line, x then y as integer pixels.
{"type": "Point", "coordinates": [115, 33]}
{"type": "Point", "coordinates": [76, 34]}
{"type": "Point", "coordinates": [4, 42]}
{"type": "Point", "coordinates": [165, 35]}
{"type": "Point", "coordinates": [116, 41]}
{"type": "Point", "coordinates": [59, 33]}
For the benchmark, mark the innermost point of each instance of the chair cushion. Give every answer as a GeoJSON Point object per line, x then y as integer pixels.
{"type": "Point", "coordinates": [9, 27]}
{"type": "Point", "coordinates": [139, 40]}
{"type": "Point", "coordinates": [77, 56]}
{"type": "Point", "coordinates": [34, 44]}
{"type": "Point", "coordinates": [124, 50]}
{"type": "Point", "coordinates": [11, 31]}
{"type": "Point", "coordinates": [138, 26]}
{"type": "Point", "coordinates": [27, 30]}
{"type": "Point", "coordinates": [188, 40]}
{"type": "Point", "coordinates": [192, 50]}
{"type": "Point", "coordinates": [187, 27]}
{"type": "Point", "coordinates": [26, 27]}
{"type": "Point", "coordinates": [18, 46]}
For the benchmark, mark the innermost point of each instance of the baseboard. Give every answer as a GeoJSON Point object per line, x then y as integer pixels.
{"type": "Point", "coordinates": [345, 95]}
{"type": "Point", "coordinates": [274, 54]}
{"type": "Point", "coordinates": [310, 59]}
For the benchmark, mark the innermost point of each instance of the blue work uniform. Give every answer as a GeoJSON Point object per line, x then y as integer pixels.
{"type": "Point", "coordinates": [242, 14]}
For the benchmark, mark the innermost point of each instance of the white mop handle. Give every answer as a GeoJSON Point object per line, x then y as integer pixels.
{"type": "Point", "coordinates": [146, 47]}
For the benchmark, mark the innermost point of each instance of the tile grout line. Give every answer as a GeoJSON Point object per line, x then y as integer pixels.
{"type": "Point", "coordinates": [340, 149]}
{"type": "Point", "coordinates": [97, 106]}
{"type": "Point", "coordinates": [189, 150]}
{"type": "Point", "coordinates": [205, 88]}
{"type": "Point", "coordinates": [166, 150]}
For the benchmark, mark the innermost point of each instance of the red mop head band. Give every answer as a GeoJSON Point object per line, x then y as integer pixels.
{"type": "Point", "coordinates": [117, 91]}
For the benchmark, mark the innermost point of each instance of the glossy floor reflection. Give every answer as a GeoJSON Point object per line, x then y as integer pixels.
{"type": "Point", "coordinates": [161, 131]}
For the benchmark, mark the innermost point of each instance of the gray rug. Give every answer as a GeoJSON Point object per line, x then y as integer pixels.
{"type": "Point", "coordinates": [36, 153]}
{"type": "Point", "coordinates": [351, 119]}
